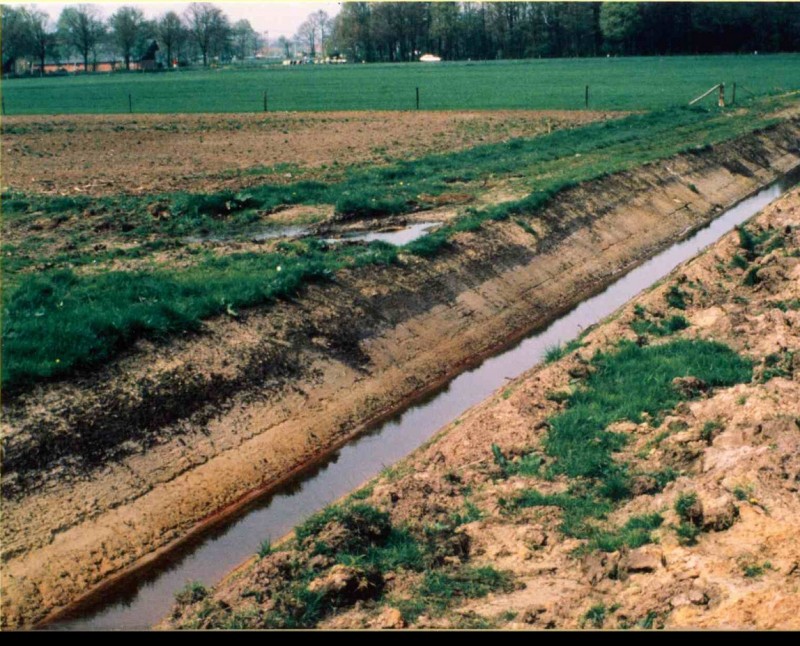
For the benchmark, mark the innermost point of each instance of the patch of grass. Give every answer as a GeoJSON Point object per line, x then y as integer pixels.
{"type": "Point", "coordinates": [742, 492]}
{"type": "Point", "coordinates": [527, 228]}
{"type": "Point", "coordinates": [664, 477]}
{"type": "Point", "coordinates": [556, 352]}
{"type": "Point", "coordinates": [470, 514]}
{"type": "Point", "coordinates": [595, 616]}
{"type": "Point", "coordinates": [710, 429]}
{"type": "Point", "coordinates": [192, 592]}
{"type": "Point", "coordinates": [667, 328]}
{"type": "Point", "coordinates": [58, 322]}
{"type": "Point", "coordinates": [676, 297]}
{"type": "Point", "coordinates": [636, 531]}
{"type": "Point", "coordinates": [439, 590]}
{"type": "Point", "coordinates": [399, 551]}
{"type": "Point", "coordinates": [785, 306]}
{"type": "Point", "coordinates": [747, 243]}
{"type": "Point", "coordinates": [527, 465]}
{"type": "Point", "coordinates": [648, 622]}
{"type": "Point", "coordinates": [751, 278]}
{"type": "Point", "coordinates": [364, 527]}
{"type": "Point", "coordinates": [755, 570]}
{"type": "Point", "coordinates": [778, 364]}
{"type": "Point", "coordinates": [558, 396]}
{"type": "Point", "coordinates": [265, 549]}
{"type": "Point", "coordinates": [626, 383]}
{"type": "Point", "coordinates": [687, 533]}
{"type": "Point", "coordinates": [685, 504]}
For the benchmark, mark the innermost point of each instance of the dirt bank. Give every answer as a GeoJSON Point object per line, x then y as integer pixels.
{"type": "Point", "coordinates": [720, 472]}
{"type": "Point", "coordinates": [112, 154]}
{"type": "Point", "coordinates": [101, 472]}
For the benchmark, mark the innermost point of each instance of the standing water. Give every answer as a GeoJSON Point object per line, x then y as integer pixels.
{"type": "Point", "coordinates": [144, 599]}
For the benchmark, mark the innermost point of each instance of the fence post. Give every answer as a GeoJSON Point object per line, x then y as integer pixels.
{"type": "Point", "coordinates": [733, 97]}
{"type": "Point", "coordinates": [130, 104]}
{"type": "Point", "coordinates": [4, 104]}
{"type": "Point", "coordinates": [265, 101]}
{"type": "Point", "coordinates": [721, 101]}
{"type": "Point", "coordinates": [586, 98]}
{"type": "Point", "coordinates": [417, 98]}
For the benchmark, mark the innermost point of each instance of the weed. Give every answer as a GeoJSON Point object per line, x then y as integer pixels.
{"type": "Point", "coordinates": [595, 616]}
{"type": "Point", "coordinates": [687, 533]}
{"type": "Point", "coordinates": [755, 570]}
{"type": "Point", "coordinates": [556, 352]}
{"type": "Point", "coordinates": [191, 593]}
{"type": "Point", "coordinates": [676, 298]}
{"type": "Point", "coordinates": [667, 328]}
{"type": "Point", "coordinates": [686, 506]}
{"type": "Point", "coordinates": [710, 430]}
{"type": "Point", "coordinates": [558, 396]}
{"type": "Point", "coordinates": [265, 549]}
{"type": "Point", "coordinates": [747, 243]}
{"type": "Point", "coordinates": [742, 492]}
{"type": "Point", "coordinates": [751, 278]}
{"type": "Point", "coordinates": [439, 590]}
{"type": "Point", "coordinates": [637, 531]}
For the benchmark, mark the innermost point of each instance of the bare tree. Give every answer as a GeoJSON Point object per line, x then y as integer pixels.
{"type": "Point", "coordinates": [172, 34]}
{"type": "Point", "coordinates": [307, 37]}
{"type": "Point", "coordinates": [208, 28]}
{"type": "Point", "coordinates": [245, 39]}
{"type": "Point", "coordinates": [126, 27]}
{"type": "Point", "coordinates": [324, 26]}
{"type": "Point", "coordinates": [43, 38]}
{"type": "Point", "coordinates": [285, 44]}
{"type": "Point", "coordinates": [81, 29]}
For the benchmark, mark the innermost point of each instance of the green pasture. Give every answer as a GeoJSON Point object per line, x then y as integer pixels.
{"type": "Point", "coordinates": [640, 83]}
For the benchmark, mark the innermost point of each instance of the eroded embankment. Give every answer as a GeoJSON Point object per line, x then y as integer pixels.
{"type": "Point", "coordinates": [681, 510]}
{"type": "Point", "coordinates": [101, 472]}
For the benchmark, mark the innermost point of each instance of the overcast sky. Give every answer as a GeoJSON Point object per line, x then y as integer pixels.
{"type": "Point", "coordinates": [279, 18]}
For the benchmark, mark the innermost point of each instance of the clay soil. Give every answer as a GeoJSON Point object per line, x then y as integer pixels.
{"type": "Point", "coordinates": [736, 448]}
{"type": "Point", "coordinates": [138, 154]}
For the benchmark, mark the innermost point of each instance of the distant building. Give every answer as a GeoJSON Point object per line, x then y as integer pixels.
{"type": "Point", "coordinates": [148, 61]}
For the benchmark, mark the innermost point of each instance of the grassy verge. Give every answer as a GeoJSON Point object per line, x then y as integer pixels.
{"type": "Point", "coordinates": [57, 321]}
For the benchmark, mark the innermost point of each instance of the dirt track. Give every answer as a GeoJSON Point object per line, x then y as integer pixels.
{"type": "Point", "coordinates": [108, 155]}
{"type": "Point", "coordinates": [167, 436]}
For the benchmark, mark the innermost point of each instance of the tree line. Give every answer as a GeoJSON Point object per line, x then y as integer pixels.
{"type": "Point", "coordinates": [202, 32]}
{"type": "Point", "coordinates": [400, 31]}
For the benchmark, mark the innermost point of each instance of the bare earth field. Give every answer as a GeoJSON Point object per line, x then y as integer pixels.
{"type": "Point", "coordinates": [108, 155]}
{"type": "Point", "coordinates": [104, 470]}
{"type": "Point", "coordinates": [735, 449]}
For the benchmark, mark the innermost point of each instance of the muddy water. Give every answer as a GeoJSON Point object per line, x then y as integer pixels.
{"type": "Point", "coordinates": [143, 600]}
{"type": "Point", "coordinates": [399, 237]}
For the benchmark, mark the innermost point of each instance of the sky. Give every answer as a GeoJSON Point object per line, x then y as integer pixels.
{"type": "Point", "coordinates": [278, 18]}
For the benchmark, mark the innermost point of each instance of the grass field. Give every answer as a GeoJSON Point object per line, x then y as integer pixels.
{"type": "Point", "coordinates": [615, 84]}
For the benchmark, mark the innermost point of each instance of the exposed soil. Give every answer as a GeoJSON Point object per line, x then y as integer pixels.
{"type": "Point", "coordinates": [736, 448]}
{"type": "Point", "coordinates": [113, 154]}
{"type": "Point", "coordinates": [102, 471]}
